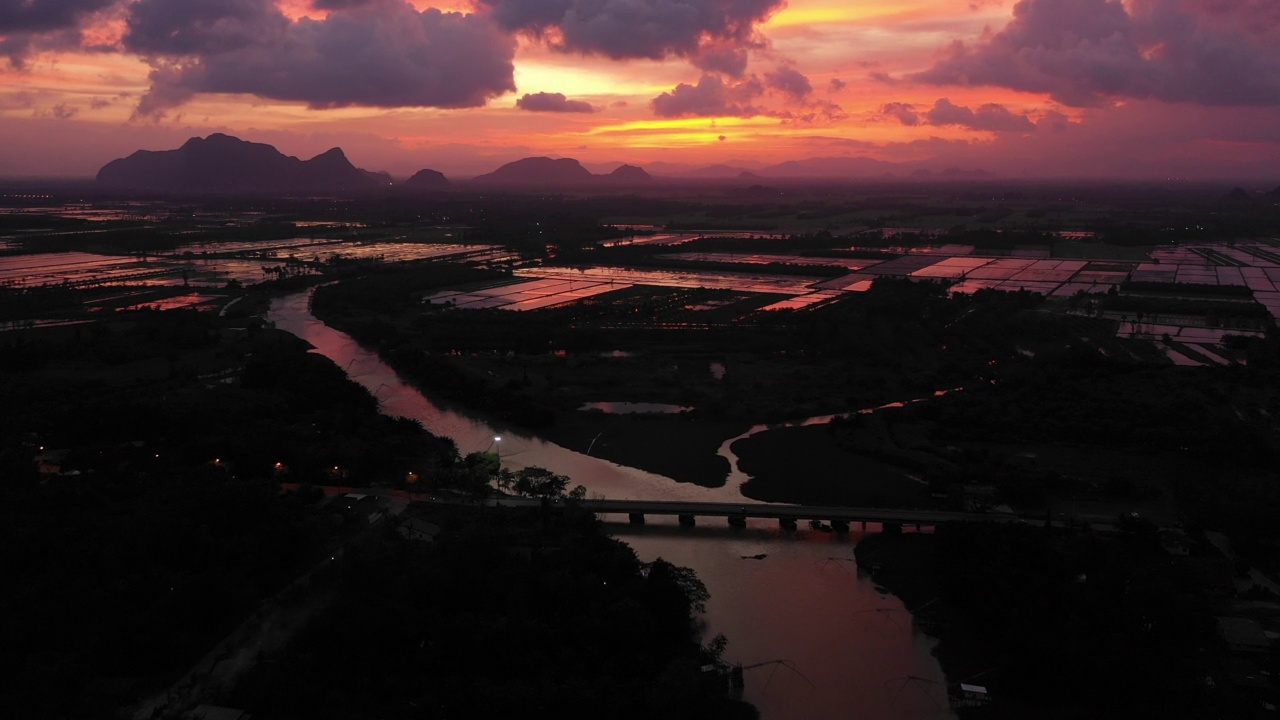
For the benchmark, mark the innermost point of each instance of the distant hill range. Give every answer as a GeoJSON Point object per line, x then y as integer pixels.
{"type": "Point", "coordinates": [819, 168]}
{"type": "Point", "coordinates": [221, 164]}
{"type": "Point", "coordinates": [560, 173]}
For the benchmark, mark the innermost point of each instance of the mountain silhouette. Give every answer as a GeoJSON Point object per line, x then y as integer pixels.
{"type": "Point", "coordinates": [427, 180]}
{"type": "Point", "coordinates": [628, 175]}
{"type": "Point", "coordinates": [539, 171]}
{"type": "Point", "coordinates": [1237, 195]}
{"type": "Point", "coordinates": [222, 164]}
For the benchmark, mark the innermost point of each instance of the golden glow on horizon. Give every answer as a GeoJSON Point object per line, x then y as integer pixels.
{"type": "Point", "coordinates": [678, 132]}
{"type": "Point", "coordinates": [85, 100]}
{"type": "Point", "coordinates": [816, 12]}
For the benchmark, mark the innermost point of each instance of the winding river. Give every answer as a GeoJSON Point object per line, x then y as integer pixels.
{"type": "Point", "coordinates": [817, 638]}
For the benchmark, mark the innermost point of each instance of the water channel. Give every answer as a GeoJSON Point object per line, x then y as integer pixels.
{"type": "Point", "coordinates": [818, 639]}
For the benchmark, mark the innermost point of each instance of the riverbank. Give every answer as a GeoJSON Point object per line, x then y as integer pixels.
{"type": "Point", "coordinates": [677, 447]}
{"type": "Point", "coordinates": [905, 564]}
{"type": "Point", "coordinates": [804, 465]}
{"type": "Point", "coordinates": [831, 658]}
{"type": "Point", "coordinates": [1056, 624]}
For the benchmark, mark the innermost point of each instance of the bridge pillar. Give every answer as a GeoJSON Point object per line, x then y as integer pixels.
{"type": "Point", "coordinates": [840, 526]}
{"type": "Point", "coordinates": [738, 521]}
{"type": "Point", "coordinates": [636, 518]}
{"type": "Point", "coordinates": [686, 520]}
{"type": "Point", "coordinates": [787, 523]}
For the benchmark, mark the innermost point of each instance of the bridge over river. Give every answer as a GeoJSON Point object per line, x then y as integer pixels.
{"type": "Point", "coordinates": [787, 515]}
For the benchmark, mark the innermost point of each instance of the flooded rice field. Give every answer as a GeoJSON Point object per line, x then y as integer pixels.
{"type": "Point", "coordinates": [771, 258]}
{"type": "Point", "coordinates": [530, 295]}
{"type": "Point", "coordinates": [212, 264]}
{"type": "Point", "coordinates": [742, 282]}
{"type": "Point", "coordinates": [1251, 264]}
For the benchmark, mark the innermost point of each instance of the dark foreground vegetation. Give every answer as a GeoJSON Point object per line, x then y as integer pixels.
{"type": "Point", "coordinates": [899, 340]}
{"type": "Point", "coordinates": [508, 613]}
{"type": "Point", "coordinates": [142, 457]}
{"type": "Point", "coordinates": [144, 524]}
{"type": "Point", "coordinates": [1061, 624]}
{"type": "Point", "coordinates": [114, 586]}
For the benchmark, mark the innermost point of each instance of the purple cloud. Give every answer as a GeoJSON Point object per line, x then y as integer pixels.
{"type": "Point", "coordinates": [30, 25]}
{"type": "Point", "coordinates": [711, 97]}
{"type": "Point", "coordinates": [39, 16]}
{"type": "Point", "coordinates": [623, 29]}
{"type": "Point", "coordinates": [340, 4]}
{"type": "Point", "coordinates": [1090, 52]}
{"type": "Point", "coordinates": [381, 54]}
{"type": "Point", "coordinates": [727, 58]}
{"type": "Point", "coordinates": [905, 113]}
{"type": "Point", "coordinates": [989, 117]}
{"type": "Point", "coordinates": [178, 27]}
{"type": "Point", "coordinates": [553, 102]}
{"type": "Point", "coordinates": [788, 81]}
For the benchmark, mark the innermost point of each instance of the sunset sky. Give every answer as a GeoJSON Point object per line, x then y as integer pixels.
{"type": "Point", "coordinates": [1025, 88]}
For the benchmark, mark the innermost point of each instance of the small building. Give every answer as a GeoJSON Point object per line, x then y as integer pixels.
{"type": "Point", "coordinates": [420, 530]}
{"type": "Point", "coordinates": [968, 695]}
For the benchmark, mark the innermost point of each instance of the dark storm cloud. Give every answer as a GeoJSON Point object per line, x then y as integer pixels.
{"type": "Point", "coordinates": [553, 102]}
{"type": "Point", "coordinates": [1089, 52]}
{"type": "Point", "coordinates": [38, 16]}
{"type": "Point", "coordinates": [727, 58]}
{"type": "Point", "coordinates": [382, 54]}
{"type": "Point", "coordinates": [28, 26]}
{"type": "Point", "coordinates": [340, 4]}
{"type": "Point", "coordinates": [711, 97]}
{"type": "Point", "coordinates": [989, 117]}
{"type": "Point", "coordinates": [180, 27]}
{"type": "Point", "coordinates": [622, 29]}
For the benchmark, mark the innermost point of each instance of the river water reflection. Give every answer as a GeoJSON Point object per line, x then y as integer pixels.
{"type": "Point", "coordinates": [827, 643]}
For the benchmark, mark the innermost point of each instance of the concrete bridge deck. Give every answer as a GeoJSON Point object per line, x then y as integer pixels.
{"type": "Point", "coordinates": [637, 509]}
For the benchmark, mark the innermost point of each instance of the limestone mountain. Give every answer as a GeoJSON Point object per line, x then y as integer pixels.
{"type": "Point", "coordinates": [539, 171]}
{"type": "Point", "coordinates": [628, 175]}
{"type": "Point", "coordinates": [222, 164]}
{"type": "Point", "coordinates": [427, 180]}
